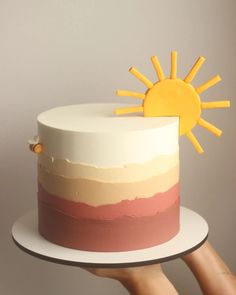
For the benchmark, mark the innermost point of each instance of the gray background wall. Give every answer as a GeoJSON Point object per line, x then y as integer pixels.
{"type": "Point", "coordinates": [54, 53]}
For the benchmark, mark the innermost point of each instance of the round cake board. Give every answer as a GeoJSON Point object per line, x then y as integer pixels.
{"type": "Point", "coordinates": [193, 233]}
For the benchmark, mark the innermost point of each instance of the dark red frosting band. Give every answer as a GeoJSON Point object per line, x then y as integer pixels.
{"type": "Point", "coordinates": [122, 234]}
{"type": "Point", "coordinates": [133, 208]}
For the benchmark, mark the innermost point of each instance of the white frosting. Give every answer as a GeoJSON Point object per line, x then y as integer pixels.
{"type": "Point", "coordinates": [92, 134]}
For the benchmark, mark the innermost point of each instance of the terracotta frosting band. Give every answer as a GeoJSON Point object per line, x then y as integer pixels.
{"type": "Point", "coordinates": [132, 208]}
{"type": "Point", "coordinates": [122, 234]}
{"type": "Point", "coordinates": [99, 193]}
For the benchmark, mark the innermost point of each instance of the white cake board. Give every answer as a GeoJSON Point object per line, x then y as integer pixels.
{"type": "Point", "coordinates": [193, 233]}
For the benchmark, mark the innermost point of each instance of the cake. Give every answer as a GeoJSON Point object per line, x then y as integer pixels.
{"type": "Point", "coordinates": [107, 183]}
{"type": "Point", "coordinates": [111, 183]}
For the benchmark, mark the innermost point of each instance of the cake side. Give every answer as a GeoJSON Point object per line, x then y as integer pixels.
{"type": "Point", "coordinates": [124, 196]}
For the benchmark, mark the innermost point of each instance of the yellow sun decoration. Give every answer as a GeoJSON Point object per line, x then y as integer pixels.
{"type": "Point", "coordinates": [175, 97]}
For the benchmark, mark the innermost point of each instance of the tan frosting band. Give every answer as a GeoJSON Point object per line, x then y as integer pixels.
{"type": "Point", "coordinates": [96, 193]}
{"type": "Point", "coordinates": [131, 173]}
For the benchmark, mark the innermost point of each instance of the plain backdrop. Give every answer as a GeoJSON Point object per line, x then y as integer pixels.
{"type": "Point", "coordinates": [54, 53]}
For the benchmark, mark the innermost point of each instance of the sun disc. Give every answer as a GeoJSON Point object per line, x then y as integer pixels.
{"type": "Point", "coordinates": [174, 98]}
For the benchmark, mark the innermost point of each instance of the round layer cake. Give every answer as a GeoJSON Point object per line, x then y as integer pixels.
{"type": "Point", "coordinates": [107, 183]}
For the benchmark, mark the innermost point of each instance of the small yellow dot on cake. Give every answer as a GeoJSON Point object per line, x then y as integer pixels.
{"type": "Point", "coordinates": [38, 148]}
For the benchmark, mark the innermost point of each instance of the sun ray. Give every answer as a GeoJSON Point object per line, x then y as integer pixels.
{"type": "Point", "coordinates": [210, 127]}
{"type": "Point", "coordinates": [141, 77]}
{"type": "Point", "coordinates": [158, 68]}
{"type": "Point", "coordinates": [195, 142]}
{"type": "Point", "coordinates": [128, 110]}
{"type": "Point", "coordinates": [196, 67]}
{"type": "Point", "coordinates": [215, 104]}
{"type": "Point", "coordinates": [173, 65]}
{"type": "Point", "coordinates": [208, 84]}
{"type": "Point", "coordinates": [130, 93]}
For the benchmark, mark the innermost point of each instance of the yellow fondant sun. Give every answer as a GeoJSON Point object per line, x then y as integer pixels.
{"type": "Point", "coordinates": [175, 97]}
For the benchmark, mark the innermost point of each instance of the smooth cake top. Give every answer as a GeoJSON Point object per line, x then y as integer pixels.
{"type": "Point", "coordinates": [99, 117]}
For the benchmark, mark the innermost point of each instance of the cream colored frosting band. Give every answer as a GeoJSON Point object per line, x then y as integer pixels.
{"type": "Point", "coordinates": [96, 193]}
{"type": "Point", "coordinates": [129, 173]}
{"type": "Point", "coordinates": [93, 135]}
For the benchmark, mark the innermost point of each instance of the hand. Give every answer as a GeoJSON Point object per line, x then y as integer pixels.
{"type": "Point", "coordinates": [129, 273]}
{"type": "Point", "coordinates": [148, 280]}
{"type": "Point", "coordinates": [213, 275]}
